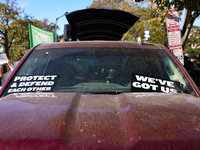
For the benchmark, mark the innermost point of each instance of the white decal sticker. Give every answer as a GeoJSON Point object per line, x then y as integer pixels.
{"type": "Point", "coordinates": [141, 83]}
{"type": "Point", "coordinates": [39, 83]}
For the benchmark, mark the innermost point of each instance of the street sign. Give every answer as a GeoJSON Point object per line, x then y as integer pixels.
{"type": "Point", "coordinates": [173, 34]}
{"type": "Point", "coordinates": [147, 35]}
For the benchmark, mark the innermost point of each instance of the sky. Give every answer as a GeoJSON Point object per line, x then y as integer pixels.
{"type": "Point", "coordinates": [52, 9]}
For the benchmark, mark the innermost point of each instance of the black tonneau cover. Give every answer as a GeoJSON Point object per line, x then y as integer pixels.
{"type": "Point", "coordinates": [100, 24]}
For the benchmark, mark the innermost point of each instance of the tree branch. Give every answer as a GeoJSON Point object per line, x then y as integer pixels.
{"type": "Point", "coordinates": [188, 24]}
{"type": "Point", "coordinates": [13, 37]}
{"type": "Point", "coordinates": [1, 32]}
{"type": "Point", "coordinates": [187, 16]}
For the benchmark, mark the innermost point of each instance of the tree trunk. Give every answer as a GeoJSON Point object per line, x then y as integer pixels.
{"type": "Point", "coordinates": [6, 44]}
{"type": "Point", "coordinates": [187, 26]}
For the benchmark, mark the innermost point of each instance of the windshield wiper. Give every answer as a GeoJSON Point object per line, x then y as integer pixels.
{"type": "Point", "coordinates": [106, 92]}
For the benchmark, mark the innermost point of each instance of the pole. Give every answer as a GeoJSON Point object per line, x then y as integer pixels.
{"type": "Point", "coordinates": [56, 25]}
{"type": "Point", "coordinates": [144, 25]}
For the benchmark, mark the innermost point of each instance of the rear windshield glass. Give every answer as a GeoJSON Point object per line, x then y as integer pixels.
{"type": "Point", "coordinates": [99, 70]}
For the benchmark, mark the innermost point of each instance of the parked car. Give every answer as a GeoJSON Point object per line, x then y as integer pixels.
{"type": "Point", "coordinates": [99, 95]}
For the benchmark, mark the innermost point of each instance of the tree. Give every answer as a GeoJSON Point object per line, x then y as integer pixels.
{"type": "Point", "coordinates": [14, 31]}
{"type": "Point", "coordinates": [192, 11]}
{"type": "Point", "coordinates": [112, 4]}
{"type": "Point", "coordinates": [150, 13]}
{"type": "Point", "coordinates": [193, 42]}
{"type": "Point", "coordinates": [21, 43]}
{"type": "Point", "coordinates": [9, 13]}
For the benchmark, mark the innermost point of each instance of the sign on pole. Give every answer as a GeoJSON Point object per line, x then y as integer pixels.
{"type": "Point", "coordinates": [173, 34]}
{"type": "Point", "coordinates": [147, 35]}
{"type": "Point", "coordinates": [39, 36]}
